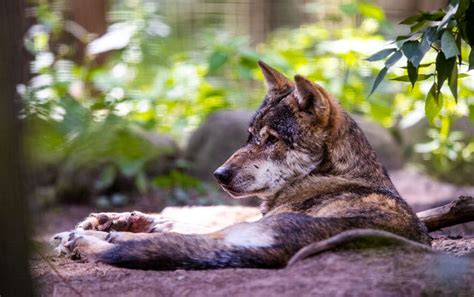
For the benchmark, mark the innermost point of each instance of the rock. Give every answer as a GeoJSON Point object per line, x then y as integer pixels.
{"type": "Point", "coordinates": [216, 140]}
{"type": "Point", "coordinates": [417, 133]}
{"type": "Point", "coordinates": [428, 192]}
{"type": "Point", "coordinates": [389, 151]}
{"type": "Point", "coordinates": [226, 131]}
{"type": "Point", "coordinates": [112, 165]}
{"type": "Point", "coordinates": [168, 150]}
{"type": "Point", "coordinates": [76, 184]}
{"type": "Point", "coordinates": [44, 196]}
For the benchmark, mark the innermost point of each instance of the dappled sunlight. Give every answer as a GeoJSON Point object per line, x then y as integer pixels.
{"type": "Point", "coordinates": [247, 148]}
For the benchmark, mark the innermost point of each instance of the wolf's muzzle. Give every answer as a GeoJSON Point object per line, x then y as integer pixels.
{"type": "Point", "coordinates": [224, 175]}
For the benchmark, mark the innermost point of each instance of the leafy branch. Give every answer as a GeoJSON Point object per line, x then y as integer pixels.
{"type": "Point", "coordinates": [443, 31]}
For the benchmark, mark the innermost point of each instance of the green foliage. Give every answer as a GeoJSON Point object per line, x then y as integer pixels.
{"type": "Point", "coordinates": [442, 39]}
{"type": "Point", "coordinates": [434, 103]}
{"type": "Point", "coordinates": [80, 113]}
{"type": "Point", "coordinates": [363, 8]}
{"type": "Point", "coordinates": [177, 179]}
{"type": "Point", "coordinates": [443, 31]}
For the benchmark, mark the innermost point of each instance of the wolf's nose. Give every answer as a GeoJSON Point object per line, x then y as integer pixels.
{"type": "Point", "coordinates": [223, 175]}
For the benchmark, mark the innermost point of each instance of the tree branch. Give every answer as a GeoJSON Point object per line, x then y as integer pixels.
{"type": "Point", "coordinates": [460, 210]}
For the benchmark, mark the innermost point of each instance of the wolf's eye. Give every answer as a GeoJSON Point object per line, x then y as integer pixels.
{"type": "Point", "coordinates": [271, 139]}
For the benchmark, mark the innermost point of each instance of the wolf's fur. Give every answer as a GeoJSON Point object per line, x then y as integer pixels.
{"type": "Point", "coordinates": [309, 163]}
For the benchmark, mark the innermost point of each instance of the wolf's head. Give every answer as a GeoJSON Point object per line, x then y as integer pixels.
{"type": "Point", "coordinates": [287, 137]}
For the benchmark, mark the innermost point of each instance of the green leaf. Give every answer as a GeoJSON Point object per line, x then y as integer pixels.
{"type": "Point", "coordinates": [468, 32]}
{"type": "Point", "coordinates": [423, 17]}
{"type": "Point", "coordinates": [99, 105]}
{"type": "Point", "coordinates": [401, 78]}
{"type": "Point", "coordinates": [433, 103]}
{"type": "Point", "coordinates": [412, 73]}
{"type": "Point", "coordinates": [418, 26]}
{"type": "Point", "coordinates": [433, 16]}
{"type": "Point", "coordinates": [412, 50]}
{"type": "Point", "coordinates": [403, 37]}
{"type": "Point", "coordinates": [444, 67]}
{"type": "Point", "coordinates": [428, 38]}
{"type": "Point", "coordinates": [453, 82]}
{"type": "Point", "coordinates": [415, 51]}
{"type": "Point", "coordinates": [381, 54]}
{"type": "Point", "coordinates": [371, 11]}
{"type": "Point", "coordinates": [216, 60]}
{"type": "Point", "coordinates": [378, 79]}
{"type": "Point", "coordinates": [471, 59]}
{"type": "Point", "coordinates": [451, 10]}
{"type": "Point", "coordinates": [393, 59]}
{"type": "Point", "coordinates": [349, 8]}
{"type": "Point", "coordinates": [407, 79]}
{"type": "Point", "coordinates": [463, 5]}
{"type": "Point", "coordinates": [410, 20]}
{"type": "Point", "coordinates": [249, 56]}
{"type": "Point", "coordinates": [453, 2]}
{"type": "Point", "coordinates": [448, 45]}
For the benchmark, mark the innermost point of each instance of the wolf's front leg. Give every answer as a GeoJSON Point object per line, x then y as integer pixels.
{"type": "Point", "coordinates": [79, 244]}
{"type": "Point", "coordinates": [65, 243]}
{"type": "Point", "coordinates": [135, 222]}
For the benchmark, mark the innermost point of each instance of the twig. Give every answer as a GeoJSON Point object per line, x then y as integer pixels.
{"type": "Point", "coordinates": [459, 211]}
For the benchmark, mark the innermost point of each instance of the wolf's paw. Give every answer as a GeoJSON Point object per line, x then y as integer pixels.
{"type": "Point", "coordinates": [134, 221]}
{"type": "Point", "coordinates": [105, 221]}
{"type": "Point", "coordinates": [80, 244]}
{"type": "Point", "coordinates": [59, 241]}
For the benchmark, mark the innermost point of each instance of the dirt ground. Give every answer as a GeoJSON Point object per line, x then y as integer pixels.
{"type": "Point", "coordinates": [448, 270]}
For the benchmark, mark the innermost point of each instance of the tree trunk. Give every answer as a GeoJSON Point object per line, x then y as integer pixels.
{"type": "Point", "coordinates": [91, 15]}
{"type": "Point", "coordinates": [14, 269]}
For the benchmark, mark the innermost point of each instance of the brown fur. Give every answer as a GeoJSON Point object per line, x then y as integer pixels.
{"type": "Point", "coordinates": [315, 172]}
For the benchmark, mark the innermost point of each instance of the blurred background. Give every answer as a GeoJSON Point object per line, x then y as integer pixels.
{"type": "Point", "coordinates": [134, 103]}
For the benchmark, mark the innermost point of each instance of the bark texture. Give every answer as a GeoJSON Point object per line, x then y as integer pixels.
{"type": "Point", "coordinates": [458, 211]}
{"type": "Point", "coordinates": [14, 269]}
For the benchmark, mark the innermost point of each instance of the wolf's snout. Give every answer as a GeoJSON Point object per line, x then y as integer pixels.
{"type": "Point", "coordinates": [223, 175]}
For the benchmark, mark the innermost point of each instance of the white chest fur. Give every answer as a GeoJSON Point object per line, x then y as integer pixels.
{"type": "Point", "coordinates": [249, 235]}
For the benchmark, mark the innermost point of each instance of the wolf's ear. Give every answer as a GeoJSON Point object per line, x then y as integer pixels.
{"type": "Point", "coordinates": [274, 79]}
{"type": "Point", "coordinates": [312, 98]}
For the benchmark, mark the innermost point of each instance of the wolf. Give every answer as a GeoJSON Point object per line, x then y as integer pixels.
{"type": "Point", "coordinates": [305, 158]}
